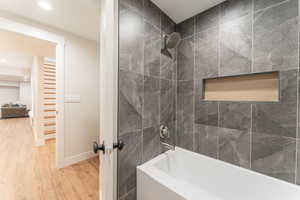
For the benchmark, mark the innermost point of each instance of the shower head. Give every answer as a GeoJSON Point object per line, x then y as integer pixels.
{"type": "Point", "coordinates": [170, 42]}
{"type": "Point", "coordinates": [173, 40]}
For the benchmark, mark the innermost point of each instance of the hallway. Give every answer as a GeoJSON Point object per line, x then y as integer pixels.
{"type": "Point", "coordinates": [28, 172]}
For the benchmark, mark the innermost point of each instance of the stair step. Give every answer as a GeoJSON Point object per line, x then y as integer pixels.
{"type": "Point", "coordinates": [49, 124]}
{"type": "Point", "coordinates": [49, 132]}
{"type": "Point", "coordinates": [47, 83]}
{"type": "Point", "coordinates": [49, 117]}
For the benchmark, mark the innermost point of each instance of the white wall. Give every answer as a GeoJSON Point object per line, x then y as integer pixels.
{"type": "Point", "coordinates": [8, 94]}
{"type": "Point", "coordinates": [25, 94]}
{"type": "Point", "coordinates": [81, 78]}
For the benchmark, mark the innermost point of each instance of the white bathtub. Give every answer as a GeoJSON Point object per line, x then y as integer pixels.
{"type": "Point", "coordinates": [181, 174]}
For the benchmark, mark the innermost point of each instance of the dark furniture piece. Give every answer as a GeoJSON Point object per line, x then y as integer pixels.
{"type": "Point", "coordinates": [13, 111]}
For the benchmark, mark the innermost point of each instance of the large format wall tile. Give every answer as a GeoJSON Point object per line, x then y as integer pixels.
{"type": "Point", "coordinates": [130, 101]}
{"type": "Point", "coordinates": [134, 5]}
{"type": "Point", "coordinates": [234, 146]}
{"type": "Point", "coordinates": [233, 9]}
{"type": "Point", "coordinates": [298, 162]}
{"type": "Point", "coordinates": [262, 4]}
{"type": "Point", "coordinates": [185, 56]}
{"type": "Point", "coordinates": [274, 156]}
{"type": "Point", "coordinates": [279, 118]}
{"type": "Point", "coordinates": [128, 159]}
{"type": "Point", "coordinates": [130, 195]}
{"type": "Point", "coordinates": [206, 139]}
{"type": "Point", "coordinates": [152, 50]}
{"type": "Point", "coordinates": [236, 46]}
{"type": "Point", "coordinates": [186, 28]}
{"type": "Point", "coordinates": [131, 42]}
{"type": "Point", "coordinates": [151, 102]}
{"type": "Point", "coordinates": [168, 106]}
{"type": "Point", "coordinates": [234, 136]}
{"type": "Point", "coordinates": [185, 114]}
{"type": "Point", "coordinates": [168, 67]}
{"type": "Point", "coordinates": [208, 19]}
{"type": "Point", "coordinates": [152, 13]}
{"type": "Point", "coordinates": [235, 115]}
{"type": "Point", "coordinates": [207, 54]}
{"type": "Point", "coordinates": [167, 24]}
{"type": "Point", "coordinates": [151, 143]}
{"type": "Point", "coordinates": [276, 37]}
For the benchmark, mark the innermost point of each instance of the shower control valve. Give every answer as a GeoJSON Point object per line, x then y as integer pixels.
{"type": "Point", "coordinates": [164, 132]}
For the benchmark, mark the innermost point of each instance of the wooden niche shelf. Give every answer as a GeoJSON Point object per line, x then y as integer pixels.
{"type": "Point", "coordinates": [262, 87]}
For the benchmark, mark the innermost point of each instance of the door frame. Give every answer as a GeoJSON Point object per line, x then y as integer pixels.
{"type": "Point", "coordinates": [109, 98]}
{"type": "Point", "coordinates": [9, 25]}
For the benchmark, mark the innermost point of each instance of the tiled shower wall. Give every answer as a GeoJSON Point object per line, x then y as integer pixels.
{"type": "Point", "coordinates": [233, 38]}
{"type": "Point", "coordinates": [147, 88]}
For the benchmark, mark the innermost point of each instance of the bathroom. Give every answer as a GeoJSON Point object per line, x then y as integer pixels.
{"type": "Point", "coordinates": [219, 81]}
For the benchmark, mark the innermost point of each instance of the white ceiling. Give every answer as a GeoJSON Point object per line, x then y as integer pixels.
{"type": "Point", "coordinates": [80, 17]}
{"type": "Point", "coordinates": [180, 10]}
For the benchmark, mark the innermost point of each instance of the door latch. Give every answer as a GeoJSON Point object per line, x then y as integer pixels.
{"type": "Point", "coordinates": [119, 145]}
{"type": "Point", "coordinates": [97, 147]}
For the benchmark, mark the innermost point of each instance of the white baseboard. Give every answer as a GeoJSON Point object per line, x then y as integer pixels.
{"type": "Point", "coordinates": [49, 136]}
{"type": "Point", "coordinates": [80, 157]}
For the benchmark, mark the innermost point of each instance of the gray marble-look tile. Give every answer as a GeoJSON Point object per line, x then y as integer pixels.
{"type": "Point", "coordinates": [185, 59]}
{"type": "Point", "coordinates": [185, 106]}
{"type": "Point", "coordinates": [152, 13]}
{"type": "Point", "coordinates": [168, 107]}
{"type": "Point", "coordinates": [151, 102]}
{"type": "Point", "coordinates": [274, 156]}
{"type": "Point", "coordinates": [186, 28]}
{"type": "Point", "coordinates": [207, 54]}
{"type": "Point", "coordinates": [262, 4]}
{"type": "Point", "coordinates": [233, 9]}
{"type": "Point", "coordinates": [134, 5]}
{"type": "Point", "coordinates": [128, 159]}
{"type": "Point", "coordinates": [130, 195]}
{"type": "Point", "coordinates": [168, 67]}
{"type": "Point", "coordinates": [234, 146]}
{"type": "Point", "coordinates": [279, 118]}
{"type": "Point", "coordinates": [208, 19]}
{"type": "Point", "coordinates": [236, 46]}
{"type": "Point", "coordinates": [235, 115]}
{"type": "Point", "coordinates": [151, 143]}
{"type": "Point", "coordinates": [185, 140]}
{"type": "Point", "coordinates": [131, 42]}
{"type": "Point", "coordinates": [276, 37]}
{"type": "Point", "coordinates": [152, 50]}
{"type": "Point", "coordinates": [130, 101]}
{"type": "Point", "coordinates": [298, 162]}
{"type": "Point", "coordinates": [168, 26]}
{"type": "Point", "coordinates": [206, 140]}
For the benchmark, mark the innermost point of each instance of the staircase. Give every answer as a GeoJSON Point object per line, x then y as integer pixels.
{"type": "Point", "coordinates": [49, 100]}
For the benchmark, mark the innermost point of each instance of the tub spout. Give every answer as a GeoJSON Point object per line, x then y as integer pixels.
{"type": "Point", "coordinates": [168, 146]}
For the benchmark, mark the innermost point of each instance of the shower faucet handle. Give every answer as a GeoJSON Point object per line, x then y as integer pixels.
{"type": "Point", "coordinates": [164, 132]}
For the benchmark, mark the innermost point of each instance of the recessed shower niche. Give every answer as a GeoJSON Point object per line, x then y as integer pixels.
{"type": "Point", "coordinates": [263, 87]}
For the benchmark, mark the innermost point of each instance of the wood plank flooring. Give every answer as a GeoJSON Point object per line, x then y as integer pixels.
{"type": "Point", "coordinates": [28, 172]}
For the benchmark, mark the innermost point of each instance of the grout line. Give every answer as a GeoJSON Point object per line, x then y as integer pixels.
{"type": "Point", "coordinates": [252, 67]}
{"type": "Point", "coordinates": [251, 135]}
{"type": "Point", "coordinates": [274, 5]}
{"type": "Point", "coordinates": [297, 122]}
{"type": "Point", "coordinates": [252, 37]}
{"type": "Point", "coordinates": [219, 72]}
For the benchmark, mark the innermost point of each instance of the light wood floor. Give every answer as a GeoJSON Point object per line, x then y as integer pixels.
{"type": "Point", "coordinates": [28, 172]}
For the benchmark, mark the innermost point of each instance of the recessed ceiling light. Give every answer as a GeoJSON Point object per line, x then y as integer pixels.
{"type": "Point", "coordinates": [45, 5]}
{"type": "Point", "coordinates": [3, 60]}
